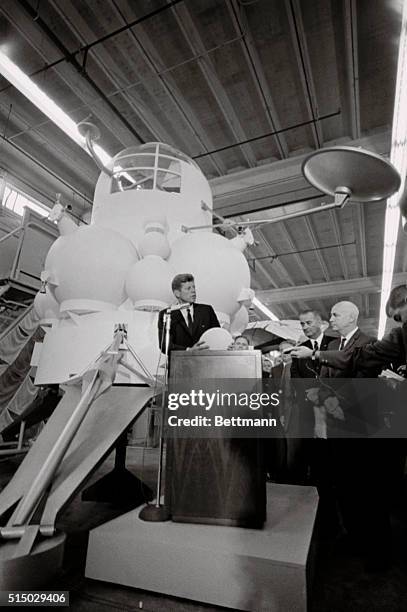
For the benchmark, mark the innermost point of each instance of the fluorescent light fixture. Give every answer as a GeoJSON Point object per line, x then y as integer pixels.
{"type": "Point", "coordinates": [398, 157]}
{"type": "Point", "coordinates": [30, 90]}
{"type": "Point", "coordinates": [264, 309]}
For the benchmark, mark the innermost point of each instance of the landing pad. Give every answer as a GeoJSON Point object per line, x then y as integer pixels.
{"type": "Point", "coordinates": [242, 569]}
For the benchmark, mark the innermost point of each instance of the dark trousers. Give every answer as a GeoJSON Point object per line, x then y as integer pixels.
{"type": "Point", "coordinates": [361, 478]}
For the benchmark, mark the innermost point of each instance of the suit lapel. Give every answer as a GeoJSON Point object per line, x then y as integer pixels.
{"type": "Point", "coordinates": [196, 319]}
{"type": "Point", "coordinates": [182, 322]}
{"type": "Point", "coordinates": [335, 344]}
{"type": "Point", "coordinates": [353, 340]}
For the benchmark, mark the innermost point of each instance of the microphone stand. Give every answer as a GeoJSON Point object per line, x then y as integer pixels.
{"type": "Point", "coordinates": [157, 512]}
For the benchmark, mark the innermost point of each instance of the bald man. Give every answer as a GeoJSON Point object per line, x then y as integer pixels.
{"type": "Point", "coordinates": [350, 458]}
{"type": "Point", "coordinates": [344, 320]}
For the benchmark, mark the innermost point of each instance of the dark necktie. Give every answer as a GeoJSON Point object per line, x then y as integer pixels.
{"type": "Point", "coordinates": [189, 319]}
{"type": "Point", "coordinates": [315, 345]}
{"type": "Point", "coordinates": [342, 344]}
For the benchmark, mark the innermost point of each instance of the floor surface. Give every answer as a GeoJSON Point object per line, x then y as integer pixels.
{"type": "Point", "coordinates": [340, 582]}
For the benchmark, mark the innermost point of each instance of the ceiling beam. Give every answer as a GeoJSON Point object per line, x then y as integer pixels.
{"type": "Point", "coordinates": [299, 41]}
{"type": "Point", "coordinates": [359, 218]}
{"type": "Point", "coordinates": [110, 68]}
{"type": "Point", "coordinates": [190, 32]}
{"type": "Point", "coordinates": [262, 268]}
{"type": "Point", "coordinates": [41, 37]}
{"type": "Point", "coordinates": [318, 253]}
{"type": "Point", "coordinates": [333, 289]}
{"type": "Point", "coordinates": [338, 237]}
{"type": "Point", "coordinates": [50, 152]}
{"type": "Point", "coordinates": [153, 59]}
{"type": "Point", "coordinates": [36, 179]}
{"type": "Point", "coordinates": [278, 183]}
{"type": "Point", "coordinates": [278, 266]}
{"type": "Point", "coordinates": [352, 64]}
{"type": "Point", "coordinates": [269, 279]}
{"type": "Point", "coordinates": [307, 276]}
{"type": "Point", "coordinates": [359, 223]}
{"type": "Point", "coordinates": [247, 44]}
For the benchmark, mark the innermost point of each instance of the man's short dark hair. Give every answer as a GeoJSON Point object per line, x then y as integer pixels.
{"type": "Point", "coordinates": [397, 297]}
{"type": "Point", "coordinates": [316, 313]}
{"type": "Point", "coordinates": [244, 338]}
{"type": "Point", "coordinates": [179, 280]}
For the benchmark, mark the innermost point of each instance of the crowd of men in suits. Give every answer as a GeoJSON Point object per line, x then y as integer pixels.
{"type": "Point", "coordinates": [352, 472]}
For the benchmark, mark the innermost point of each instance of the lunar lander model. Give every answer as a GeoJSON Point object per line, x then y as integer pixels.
{"type": "Point", "coordinates": [104, 284]}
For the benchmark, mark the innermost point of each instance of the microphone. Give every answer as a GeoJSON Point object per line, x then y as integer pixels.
{"type": "Point", "coordinates": [175, 307]}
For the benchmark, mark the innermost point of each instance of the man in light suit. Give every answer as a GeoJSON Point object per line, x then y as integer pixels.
{"type": "Point", "coordinates": [187, 323]}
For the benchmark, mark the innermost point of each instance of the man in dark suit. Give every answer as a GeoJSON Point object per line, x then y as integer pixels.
{"type": "Point", "coordinates": [277, 380]}
{"type": "Point", "coordinates": [344, 320]}
{"type": "Point", "coordinates": [391, 350]}
{"type": "Point", "coordinates": [189, 320]}
{"type": "Point", "coordinates": [358, 484]}
{"type": "Point", "coordinates": [311, 323]}
{"type": "Point", "coordinates": [310, 454]}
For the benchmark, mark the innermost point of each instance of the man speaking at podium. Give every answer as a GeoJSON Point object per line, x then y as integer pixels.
{"type": "Point", "coordinates": [188, 319]}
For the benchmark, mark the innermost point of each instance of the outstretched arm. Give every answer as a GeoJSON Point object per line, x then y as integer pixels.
{"type": "Point", "coordinates": [372, 356]}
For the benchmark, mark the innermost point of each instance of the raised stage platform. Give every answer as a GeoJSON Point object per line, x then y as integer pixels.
{"type": "Point", "coordinates": [245, 569]}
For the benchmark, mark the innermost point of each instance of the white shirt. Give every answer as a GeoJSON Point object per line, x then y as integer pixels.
{"type": "Point", "coordinates": [185, 313]}
{"type": "Point", "coordinates": [318, 340]}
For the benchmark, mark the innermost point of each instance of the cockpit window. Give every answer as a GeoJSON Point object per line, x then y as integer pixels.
{"type": "Point", "coordinates": [150, 166]}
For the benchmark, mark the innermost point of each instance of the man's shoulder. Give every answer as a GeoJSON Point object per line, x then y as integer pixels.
{"type": "Point", "coordinates": [202, 307]}
{"type": "Point", "coordinates": [361, 338]}
{"type": "Point", "coordinates": [333, 344]}
{"type": "Point", "coordinates": [326, 341]}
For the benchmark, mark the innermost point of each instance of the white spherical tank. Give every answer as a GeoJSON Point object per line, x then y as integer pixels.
{"type": "Point", "coordinates": [148, 283]}
{"type": "Point", "coordinates": [220, 270]}
{"type": "Point", "coordinates": [217, 338]}
{"type": "Point", "coordinates": [155, 241]}
{"type": "Point", "coordinates": [88, 268]}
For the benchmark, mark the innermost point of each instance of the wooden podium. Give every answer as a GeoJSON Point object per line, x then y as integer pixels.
{"type": "Point", "coordinates": [218, 480]}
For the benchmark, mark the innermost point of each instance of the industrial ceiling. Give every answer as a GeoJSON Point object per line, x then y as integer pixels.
{"type": "Point", "coordinates": [245, 87]}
